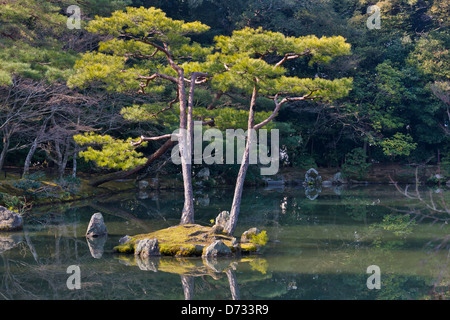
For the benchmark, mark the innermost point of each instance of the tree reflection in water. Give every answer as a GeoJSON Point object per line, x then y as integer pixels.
{"type": "Point", "coordinates": [430, 205]}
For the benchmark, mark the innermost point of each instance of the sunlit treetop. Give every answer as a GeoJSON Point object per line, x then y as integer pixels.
{"type": "Point", "coordinates": [259, 43]}
{"type": "Point", "coordinates": [144, 41]}
{"type": "Point", "coordinates": [150, 26]}
{"type": "Point", "coordinates": [258, 57]}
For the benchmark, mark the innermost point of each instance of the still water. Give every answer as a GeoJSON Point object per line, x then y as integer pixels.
{"type": "Point", "coordinates": [321, 243]}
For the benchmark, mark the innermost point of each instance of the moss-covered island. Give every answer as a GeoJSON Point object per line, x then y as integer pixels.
{"type": "Point", "coordinates": [193, 239]}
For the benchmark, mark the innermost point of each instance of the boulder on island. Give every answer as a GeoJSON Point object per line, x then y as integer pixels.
{"type": "Point", "coordinates": [10, 220]}
{"type": "Point", "coordinates": [215, 249]}
{"type": "Point", "coordinates": [147, 247]}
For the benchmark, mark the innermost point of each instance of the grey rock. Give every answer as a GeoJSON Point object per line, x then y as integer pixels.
{"type": "Point", "coordinates": [10, 220]}
{"type": "Point", "coordinates": [124, 239]}
{"type": "Point", "coordinates": [147, 247]}
{"type": "Point", "coordinates": [223, 219]}
{"type": "Point", "coordinates": [143, 184]}
{"type": "Point", "coordinates": [203, 174]}
{"type": "Point", "coordinates": [96, 226]}
{"type": "Point", "coordinates": [312, 177]}
{"type": "Point", "coordinates": [215, 249]}
{"type": "Point", "coordinates": [248, 235]}
{"type": "Point", "coordinates": [338, 178]}
{"type": "Point", "coordinates": [327, 183]}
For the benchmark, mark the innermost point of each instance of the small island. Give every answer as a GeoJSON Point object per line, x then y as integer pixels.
{"type": "Point", "coordinates": [193, 240]}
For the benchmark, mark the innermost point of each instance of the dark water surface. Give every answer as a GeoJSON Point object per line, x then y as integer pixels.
{"type": "Point", "coordinates": [320, 247]}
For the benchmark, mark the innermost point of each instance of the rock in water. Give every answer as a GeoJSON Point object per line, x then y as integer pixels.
{"type": "Point", "coordinates": [10, 220]}
{"type": "Point", "coordinates": [124, 239]}
{"type": "Point", "coordinates": [147, 247]}
{"type": "Point", "coordinates": [96, 226]}
{"type": "Point", "coordinates": [312, 177]}
{"type": "Point", "coordinates": [203, 174]}
{"type": "Point", "coordinates": [217, 248]}
{"type": "Point", "coordinates": [248, 235]}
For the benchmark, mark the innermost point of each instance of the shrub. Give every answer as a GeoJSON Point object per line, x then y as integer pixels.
{"type": "Point", "coordinates": [355, 165]}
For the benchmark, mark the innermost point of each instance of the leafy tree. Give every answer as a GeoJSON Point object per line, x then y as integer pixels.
{"type": "Point", "coordinates": [254, 62]}
{"type": "Point", "coordinates": [144, 39]}
{"type": "Point", "coordinates": [356, 165]}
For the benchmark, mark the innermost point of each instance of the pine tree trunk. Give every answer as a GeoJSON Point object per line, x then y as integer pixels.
{"type": "Point", "coordinates": [185, 146]}
{"type": "Point", "coordinates": [235, 207]}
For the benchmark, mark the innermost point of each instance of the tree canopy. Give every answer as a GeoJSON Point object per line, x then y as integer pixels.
{"type": "Point", "coordinates": [396, 110]}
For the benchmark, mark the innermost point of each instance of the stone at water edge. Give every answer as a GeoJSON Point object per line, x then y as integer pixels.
{"type": "Point", "coordinates": [124, 239]}
{"type": "Point", "coordinates": [96, 226]}
{"type": "Point", "coordinates": [312, 177]}
{"type": "Point", "coordinates": [10, 220]}
{"type": "Point", "coordinates": [203, 174]}
{"type": "Point", "coordinates": [217, 248]}
{"type": "Point", "coordinates": [147, 247]}
{"type": "Point", "coordinates": [248, 235]}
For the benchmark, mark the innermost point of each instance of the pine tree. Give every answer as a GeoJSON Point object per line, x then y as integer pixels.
{"type": "Point", "coordinates": [253, 62]}
{"type": "Point", "coordinates": [150, 47]}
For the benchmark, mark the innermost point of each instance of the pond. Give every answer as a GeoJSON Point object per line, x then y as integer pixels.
{"type": "Point", "coordinates": [322, 244]}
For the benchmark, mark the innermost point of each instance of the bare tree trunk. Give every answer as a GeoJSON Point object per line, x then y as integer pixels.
{"type": "Point", "coordinates": [6, 142]}
{"type": "Point", "coordinates": [74, 161]}
{"type": "Point", "coordinates": [235, 207]}
{"type": "Point", "coordinates": [26, 167]}
{"type": "Point", "coordinates": [65, 158]}
{"type": "Point", "coordinates": [185, 145]}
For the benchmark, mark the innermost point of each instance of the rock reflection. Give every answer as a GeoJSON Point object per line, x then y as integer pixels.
{"type": "Point", "coordinates": [191, 268]}
{"type": "Point", "coordinates": [312, 192]}
{"type": "Point", "coordinates": [9, 241]}
{"type": "Point", "coordinates": [96, 246]}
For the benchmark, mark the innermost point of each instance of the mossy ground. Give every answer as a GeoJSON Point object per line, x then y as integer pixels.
{"type": "Point", "coordinates": [184, 240]}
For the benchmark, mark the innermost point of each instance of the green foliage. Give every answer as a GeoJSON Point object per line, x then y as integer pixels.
{"type": "Point", "coordinates": [432, 57]}
{"type": "Point", "coordinates": [15, 203]}
{"type": "Point", "coordinates": [356, 165]}
{"type": "Point", "coordinates": [147, 23]}
{"type": "Point", "coordinates": [114, 153]}
{"type": "Point", "coordinates": [132, 52]}
{"type": "Point", "coordinates": [230, 118]}
{"type": "Point", "coordinates": [260, 239]}
{"type": "Point", "coordinates": [400, 225]}
{"type": "Point", "coordinates": [104, 69]}
{"type": "Point", "coordinates": [445, 165]}
{"type": "Point", "coordinates": [399, 145]}
{"type": "Point", "coordinates": [243, 58]}
{"type": "Point", "coordinates": [27, 184]}
{"type": "Point", "coordinates": [399, 89]}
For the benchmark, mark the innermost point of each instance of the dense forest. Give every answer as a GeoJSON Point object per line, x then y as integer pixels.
{"type": "Point", "coordinates": [60, 88]}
